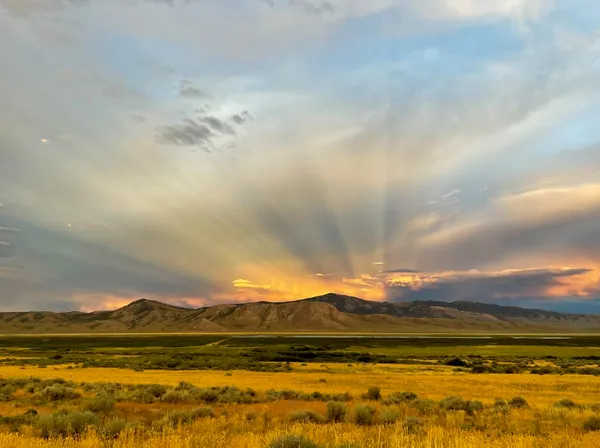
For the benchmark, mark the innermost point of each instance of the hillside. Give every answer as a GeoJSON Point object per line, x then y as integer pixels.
{"type": "Point", "coordinates": [329, 313]}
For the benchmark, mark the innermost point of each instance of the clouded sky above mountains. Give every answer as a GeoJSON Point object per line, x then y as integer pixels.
{"type": "Point", "coordinates": [199, 151]}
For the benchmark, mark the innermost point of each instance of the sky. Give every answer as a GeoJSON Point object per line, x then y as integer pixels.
{"type": "Point", "coordinates": [200, 152]}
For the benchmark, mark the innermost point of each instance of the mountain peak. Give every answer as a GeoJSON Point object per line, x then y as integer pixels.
{"type": "Point", "coordinates": [334, 296]}
{"type": "Point", "coordinates": [143, 305]}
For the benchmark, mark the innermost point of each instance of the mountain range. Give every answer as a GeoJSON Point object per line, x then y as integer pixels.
{"type": "Point", "coordinates": [327, 313]}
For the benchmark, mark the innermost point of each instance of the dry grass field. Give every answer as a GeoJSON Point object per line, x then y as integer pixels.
{"type": "Point", "coordinates": [433, 382]}
{"type": "Point", "coordinates": [319, 392]}
{"type": "Point", "coordinates": [263, 424]}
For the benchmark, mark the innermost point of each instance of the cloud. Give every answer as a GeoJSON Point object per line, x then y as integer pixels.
{"type": "Point", "coordinates": [241, 283]}
{"type": "Point", "coordinates": [539, 220]}
{"type": "Point", "coordinates": [361, 131]}
{"type": "Point", "coordinates": [317, 7]}
{"type": "Point", "coordinates": [241, 118]}
{"type": "Point", "coordinates": [188, 90]}
{"type": "Point", "coordinates": [217, 125]}
{"type": "Point", "coordinates": [9, 229]}
{"type": "Point", "coordinates": [188, 133]}
{"type": "Point", "coordinates": [488, 286]}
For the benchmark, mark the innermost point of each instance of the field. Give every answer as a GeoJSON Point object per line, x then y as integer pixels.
{"type": "Point", "coordinates": [283, 392]}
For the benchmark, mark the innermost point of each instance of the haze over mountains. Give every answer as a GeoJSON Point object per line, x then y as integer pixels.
{"type": "Point", "coordinates": [330, 312]}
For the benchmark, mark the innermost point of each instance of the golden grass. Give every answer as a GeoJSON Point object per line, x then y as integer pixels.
{"type": "Point", "coordinates": [234, 432]}
{"type": "Point", "coordinates": [433, 382]}
{"type": "Point", "coordinates": [542, 426]}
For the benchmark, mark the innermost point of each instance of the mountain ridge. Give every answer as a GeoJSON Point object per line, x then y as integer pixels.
{"type": "Point", "coordinates": [329, 313]}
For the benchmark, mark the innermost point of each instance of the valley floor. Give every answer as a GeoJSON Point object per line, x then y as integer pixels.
{"type": "Point", "coordinates": [560, 411]}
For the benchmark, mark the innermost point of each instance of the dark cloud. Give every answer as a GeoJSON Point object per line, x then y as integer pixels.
{"type": "Point", "coordinates": [218, 125]}
{"type": "Point", "coordinates": [241, 118]}
{"type": "Point", "coordinates": [495, 287]}
{"type": "Point", "coordinates": [194, 132]}
{"type": "Point", "coordinates": [570, 234]}
{"type": "Point", "coordinates": [189, 133]}
{"type": "Point", "coordinates": [72, 267]}
{"type": "Point", "coordinates": [188, 90]}
{"type": "Point", "coordinates": [395, 271]}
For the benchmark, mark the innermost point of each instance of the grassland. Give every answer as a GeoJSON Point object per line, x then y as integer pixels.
{"type": "Point", "coordinates": [93, 392]}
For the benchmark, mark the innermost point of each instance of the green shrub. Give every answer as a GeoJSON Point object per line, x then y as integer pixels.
{"type": "Point", "coordinates": [453, 404]}
{"type": "Point", "coordinates": [156, 390]}
{"type": "Point", "coordinates": [140, 396]}
{"type": "Point", "coordinates": [518, 402]}
{"type": "Point", "coordinates": [186, 416]}
{"type": "Point", "coordinates": [474, 406]}
{"type": "Point", "coordinates": [374, 393]}
{"type": "Point", "coordinates": [424, 406]}
{"type": "Point", "coordinates": [566, 403]}
{"type": "Point", "coordinates": [412, 424]}
{"type": "Point", "coordinates": [346, 396]}
{"type": "Point", "coordinates": [102, 404]}
{"type": "Point", "coordinates": [388, 416]}
{"type": "Point", "coordinates": [176, 396]}
{"type": "Point", "coordinates": [457, 362]}
{"type": "Point", "coordinates": [65, 424]}
{"type": "Point", "coordinates": [58, 392]}
{"type": "Point", "coordinates": [112, 428]}
{"type": "Point", "coordinates": [336, 411]}
{"type": "Point", "coordinates": [307, 416]}
{"type": "Point", "coordinates": [230, 394]}
{"type": "Point", "coordinates": [282, 394]}
{"type": "Point", "coordinates": [209, 395]}
{"type": "Point", "coordinates": [363, 414]}
{"type": "Point", "coordinates": [292, 441]}
{"type": "Point", "coordinates": [400, 397]}
{"type": "Point", "coordinates": [250, 416]}
{"type": "Point", "coordinates": [458, 404]}
{"type": "Point", "coordinates": [592, 424]}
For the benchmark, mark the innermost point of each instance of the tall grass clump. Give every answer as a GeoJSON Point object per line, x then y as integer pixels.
{"type": "Point", "coordinates": [400, 397]}
{"type": "Point", "coordinates": [184, 416]}
{"type": "Point", "coordinates": [458, 404]}
{"type": "Point", "coordinates": [102, 404]}
{"type": "Point", "coordinates": [592, 424]}
{"type": "Point", "coordinates": [518, 402]}
{"type": "Point", "coordinates": [292, 441]}
{"type": "Point", "coordinates": [112, 428]}
{"type": "Point", "coordinates": [363, 415]}
{"type": "Point", "coordinates": [336, 411]}
{"type": "Point", "coordinates": [307, 416]}
{"type": "Point", "coordinates": [412, 424]}
{"type": "Point", "coordinates": [566, 403]}
{"type": "Point", "coordinates": [373, 393]}
{"type": "Point", "coordinates": [61, 424]}
{"type": "Point", "coordinates": [388, 416]}
{"type": "Point", "coordinates": [58, 392]}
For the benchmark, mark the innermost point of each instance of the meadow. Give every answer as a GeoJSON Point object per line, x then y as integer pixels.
{"type": "Point", "coordinates": [286, 392]}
